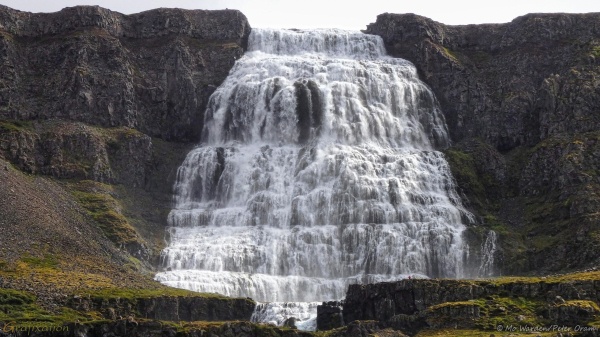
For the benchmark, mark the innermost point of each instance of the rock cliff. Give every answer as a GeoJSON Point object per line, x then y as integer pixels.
{"type": "Point", "coordinates": [87, 94]}
{"type": "Point", "coordinates": [509, 84]}
{"type": "Point", "coordinates": [97, 111]}
{"type": "Point", "coordinates": [151, 71]}
{"type": "Point", "coordinates": [168, 308]}
{"type": "Point", "coordinates": [414, 305]}
{"type": "Point", "coordinates": [522, 102]}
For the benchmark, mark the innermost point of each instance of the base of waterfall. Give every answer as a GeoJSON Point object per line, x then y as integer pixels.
{"type": "Point", "coordinates": [294, 296]}
{"type": "Point", "coordinates": [303, 314]}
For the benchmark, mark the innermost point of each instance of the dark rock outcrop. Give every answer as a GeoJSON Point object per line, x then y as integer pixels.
{"type": "Point", "coordinates": [522, 103]}
{"type": "Point", "coordinates": [151, 71]}
{"type": "Point", "coordinates": [329, 315]}
{"type": "Point", "coordinates": [142, 328]}
{"type": "Point", "coordinates": [77, 151]}
{"type": "Point", "coordinates": [509, 84]}
{"type": "Point", "coordinates": [412, 305]}
{"type": "Point", "coordinates": [169, 308]}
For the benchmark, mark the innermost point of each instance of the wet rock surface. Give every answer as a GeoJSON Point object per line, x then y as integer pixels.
{"type": "Point", "coordinates": [329, 315]}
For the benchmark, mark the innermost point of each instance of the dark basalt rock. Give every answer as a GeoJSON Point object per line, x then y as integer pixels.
{"type": "Point", "coordinates": [509, 84]}
{"type": "Point", "coordinates": [329, 316]}
{"type": "Point", "coordinates": [521, 101]}
{"type": "Point", "coordinates": [151, 71]}
{"type": "Point", "coordinates": [168, 308]}
{"type": "Point", "coordinates": [412, 305]}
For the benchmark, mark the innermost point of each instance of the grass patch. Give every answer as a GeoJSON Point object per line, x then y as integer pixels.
{"type": "Point", "coordinates": [133, 294]}
{"type": "Point", "coordinates": [48, 261]}
{"type": "Point", "coordinates": [494, 311]}
{"type": "Point", "coordinates": [586, 276]}
{"type": "Point", "coordinates": [20, 307]}
{"type": "Point", "coordinates": [104, 209]}
{"type": "Point", "coordinates": [455, 55]}
{"type": "Point", "coordinates": [11, 125]}
{"type": "Point", "coordinates": [58, 279]}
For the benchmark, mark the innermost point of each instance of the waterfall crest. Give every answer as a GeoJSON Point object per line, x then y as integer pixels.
{"type": "Point", "coordinates": [318, 169]}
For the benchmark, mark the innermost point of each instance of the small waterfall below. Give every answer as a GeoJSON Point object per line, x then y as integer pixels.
{"type": "Point", "coordinates": [318, 168]}
{"type": "Point", "coordinates": [488, 250]}
{"type": "Point", "coordinates": [278, 313]}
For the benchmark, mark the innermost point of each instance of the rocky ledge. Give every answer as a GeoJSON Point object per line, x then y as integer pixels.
{"type": "Point", "coordinates": [166, 308]}
{"type": "Point", "coordinates": [417, 305]}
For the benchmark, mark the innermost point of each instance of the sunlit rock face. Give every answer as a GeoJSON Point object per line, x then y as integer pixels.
{"type": "Point", "coordinates": [318, 169]}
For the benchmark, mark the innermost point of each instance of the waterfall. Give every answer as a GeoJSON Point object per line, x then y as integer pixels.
{"type": "Point", "coordinates": [318, 168]}
{"type": "Point", "coordinates": [488, 250]}
{"type": "Point", "coordinates": [278, 313]}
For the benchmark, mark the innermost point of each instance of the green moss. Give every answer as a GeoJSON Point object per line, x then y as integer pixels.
{"type": "Point", "coordinates": [134, 294]}
{"type": "Point", "coordinates": [14, 297]}
{"type": "Point", "coordinates": [464, 171]}
{"type": "Point", "coordinates": [4, 265]}
{"type": "Point", "coordinates": [20, 307]}
{"type": "Point", "coordinates": [506, 310]}
{"type": "Point", "coordinates": [455, 305]}
{"type": "Point", "coordinates": [103, 208]}
{"type": "Point", "coordinates": [11, 125]}
{"type": "Point", "coordinates": [49, 261]}
{"type": "Point", "coordinates": [581, 304]}
{"type": "Point", "coordinates": [455, 55]}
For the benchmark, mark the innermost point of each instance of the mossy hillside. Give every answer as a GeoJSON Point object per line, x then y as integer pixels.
{"type": "Point", "coordinates": [98, 200]}
{"type": "Point", "coordinates": [511, 311]}
{"type": "Point", "coordinates": [481, 188]}
{"type": "Point", "coordinates": [48, 261]}
{"type": "Point", "coordinates": [21, 307]}
{"type": "Point", "coordinates": [54, 277]}
{"type": "Point", "coordinates": [133, 295]}
{"type": "Point", "coordinates": [105, 210]}
{"type": "Point", "coordinates": [534, 221]}
{"type": "Point", "coordinates": [494, 311]}
{"type": "Point", "coordinates": [458, 57]}
{"type": "Point", "coordinates": [128, 215]}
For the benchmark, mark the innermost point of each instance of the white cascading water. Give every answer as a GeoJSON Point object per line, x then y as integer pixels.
{"type": "Point", "coordinates": [318, 169]}
{"type": "Point", "coordinates": [488, 252]}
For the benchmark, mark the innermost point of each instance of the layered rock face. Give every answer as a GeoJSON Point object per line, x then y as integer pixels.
{"type": "Point", "coordinates": [151, 71]}
{"type": "Point", "coordinates": [412, 305]}
{"type": "Point", "coordinates": [170, 308]}
{"type": "Point", "coordinates": [522, 103]}
{"type": "Point", "coordinates": [509, 84]}
{"type": "Point", "coordinates": [90, 94]}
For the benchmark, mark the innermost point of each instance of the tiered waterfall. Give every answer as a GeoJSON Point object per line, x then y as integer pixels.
{"type": "Point", "coordinates": [318, 168]}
